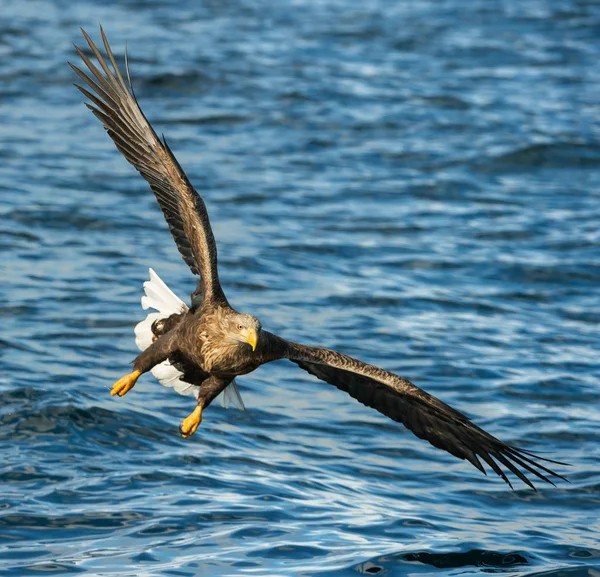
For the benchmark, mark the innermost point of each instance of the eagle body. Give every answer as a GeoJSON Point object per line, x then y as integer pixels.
{"type": "Point", "coordinates": [201, 349]}
{"type": "Point", "coordinates": [202, 339]}
{"type": "Point", "coordinates": [201, 342]}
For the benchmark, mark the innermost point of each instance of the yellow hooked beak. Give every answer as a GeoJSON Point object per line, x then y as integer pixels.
{"type": "Point", "coordinates": [250, 336]}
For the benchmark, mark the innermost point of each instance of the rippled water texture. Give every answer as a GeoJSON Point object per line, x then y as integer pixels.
{"type": "Point", "coordinates": [413, 183]}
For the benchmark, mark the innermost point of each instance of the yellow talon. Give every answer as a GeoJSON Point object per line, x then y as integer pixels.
{"type": "Point", "coordinates": [125, 384]}
{"type": "Point", "coordinates": [190, 423]}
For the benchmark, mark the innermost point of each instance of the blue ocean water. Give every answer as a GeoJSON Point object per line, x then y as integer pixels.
{"type": "Point", "coordinates": [412, 183]}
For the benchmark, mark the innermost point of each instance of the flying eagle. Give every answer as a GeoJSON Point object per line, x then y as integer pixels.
{"type": "Point", "coordinates": [201, 349]}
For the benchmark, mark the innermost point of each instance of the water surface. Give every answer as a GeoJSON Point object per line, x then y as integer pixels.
{"type": "Point", "coordinates": [413, 183]}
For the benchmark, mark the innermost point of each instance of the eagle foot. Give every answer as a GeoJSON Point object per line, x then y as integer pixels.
{"type": "Point", "coordinates": [190, 423]}
{"type": "Point", "coordinates": [125, 384]}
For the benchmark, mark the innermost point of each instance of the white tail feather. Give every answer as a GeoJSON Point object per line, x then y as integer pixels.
{"type": "Point", "coordinates": [231, 397]}
{"type": "Point", "coordinates": [143, 331]}
{"type": "Point", "coordinates": [161, 298]}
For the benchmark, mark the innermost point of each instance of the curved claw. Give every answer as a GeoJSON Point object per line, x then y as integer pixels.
{"type": "Point", "coordinates": [125, 384]}
{"type": "Point", "coordinates": [191, 423]}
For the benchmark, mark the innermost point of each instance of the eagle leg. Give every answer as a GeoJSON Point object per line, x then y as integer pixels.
{"type": "Point", "coordinates": [156, 353]}
{"type": "Point", "coordinates": [191, 422]}
{"type": "Point", "coordinates": [209, 389]}
{"type": "Point", "coordinates": [125, 384]}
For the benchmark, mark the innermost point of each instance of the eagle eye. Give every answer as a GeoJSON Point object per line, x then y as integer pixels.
{"type": "Point", "coordinates": [239, 327]}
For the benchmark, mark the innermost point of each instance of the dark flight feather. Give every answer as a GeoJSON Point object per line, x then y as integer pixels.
{"type": "Point", "coordinates": [423, 414]}
{"type": "Point", "coordinates": [114, 103]}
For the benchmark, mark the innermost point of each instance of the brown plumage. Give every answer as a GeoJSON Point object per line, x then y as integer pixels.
{"type": "Point", "coordinates": [211, 343]}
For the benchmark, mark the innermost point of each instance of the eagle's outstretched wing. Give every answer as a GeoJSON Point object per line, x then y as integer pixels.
{"type": "Point", "coordinates": [423, 414]}
{"type": "Point", "coordinates": [114, 104]}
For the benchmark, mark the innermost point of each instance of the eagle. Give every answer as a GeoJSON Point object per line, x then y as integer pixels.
{"type": "Point", "coordinates": [202, 348]}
